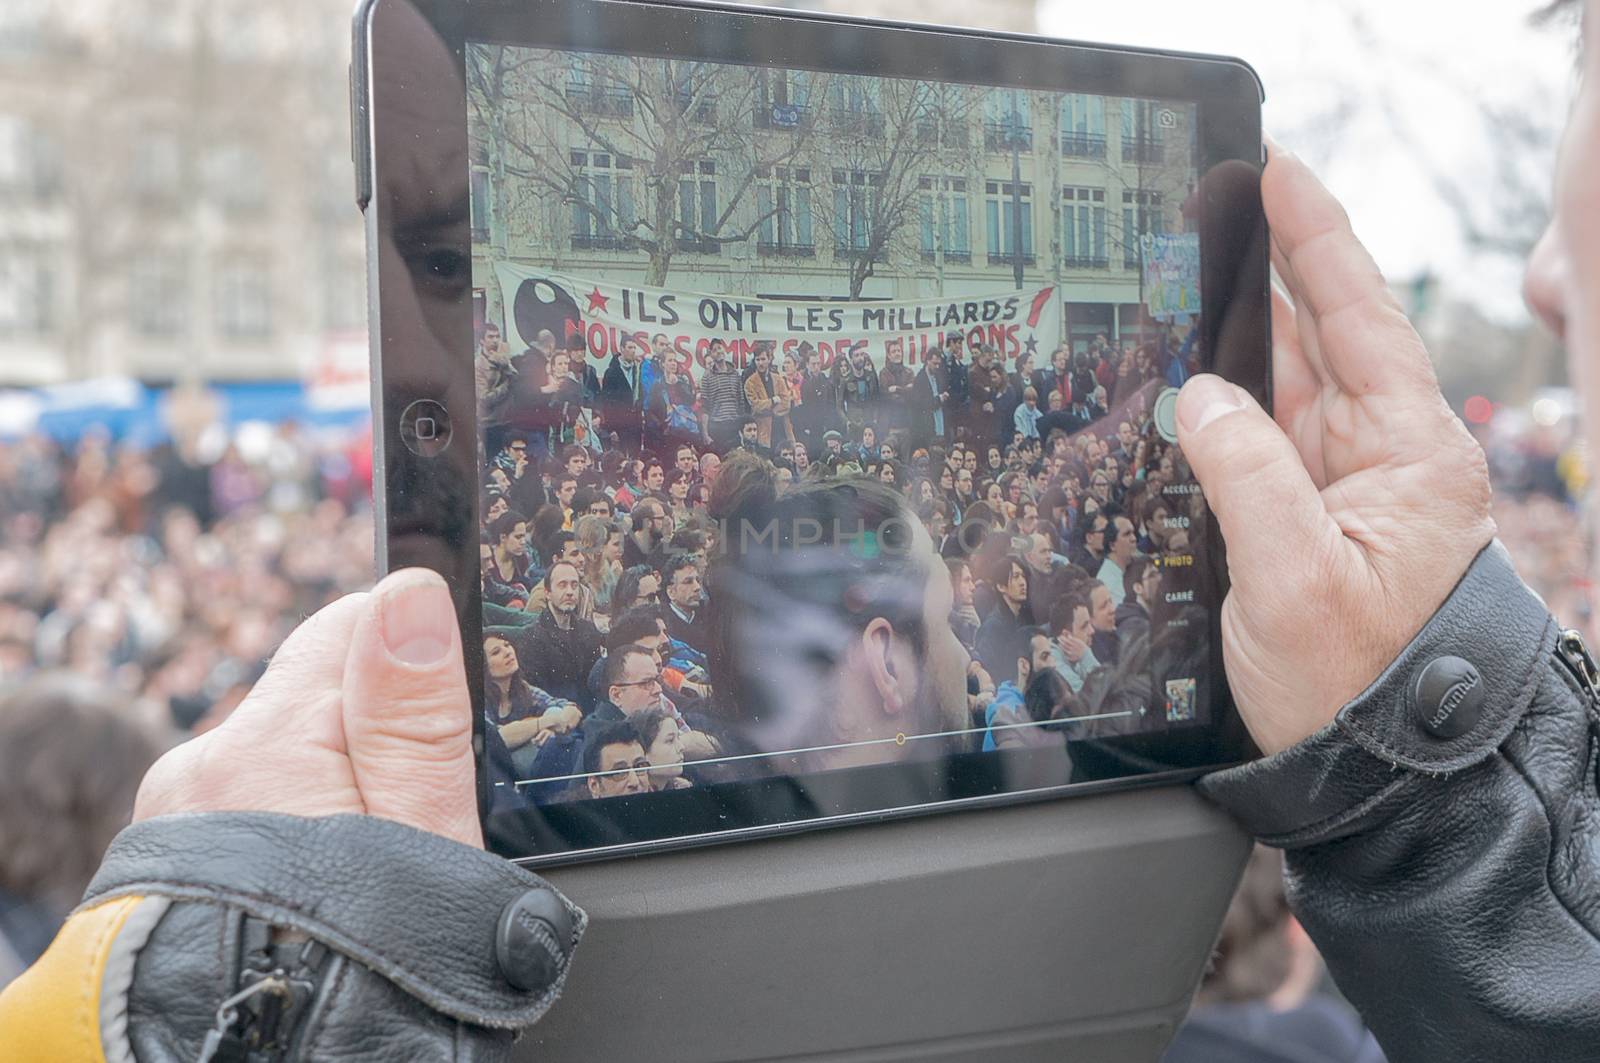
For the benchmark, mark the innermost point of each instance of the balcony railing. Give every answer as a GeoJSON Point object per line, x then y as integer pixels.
{"type": "Point", "coordinates": [1009, 258]}
{"type": "Point", "coordinates": [849, 251]}
{"type": "Point", "coordinates": [597, 242]}
{"type": "Point", "coordinates": [699, 245]}
{"type": "Point", "coordinates": [1143, 149]}
{"type": "Point", "coordinates": [612, 100]}
{"type": "Point", "coordinates": [1085, 262]}
{"type": "Point", "coordinates": [951, 258]}
{"type": "Point", "coordinates": [786, 250]}
{"type": "Point", "coordinates": [858, 123]}
{"type": "Point", "coordinates": [1130, 261]}
{"type": "Point", "coordinates": [1083, 145]}
{"type": "Point", "coordinates": [1004, 136]}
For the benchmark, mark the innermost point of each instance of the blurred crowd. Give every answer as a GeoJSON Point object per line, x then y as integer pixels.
{"type": "Point", "coordinates": [170, 573]}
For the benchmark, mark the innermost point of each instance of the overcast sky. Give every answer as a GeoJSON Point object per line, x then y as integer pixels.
{"type": "Point", "coordinates": [1382, 96]}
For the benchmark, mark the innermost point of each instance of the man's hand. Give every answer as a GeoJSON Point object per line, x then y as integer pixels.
{"type": "Point", "coordinates": [363, 709]}
{"type": "Point", "coordinates": [1351, 513]}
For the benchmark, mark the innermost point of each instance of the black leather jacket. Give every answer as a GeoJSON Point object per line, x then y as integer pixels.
{"type": "Point", "coordinates": [1441, 834]}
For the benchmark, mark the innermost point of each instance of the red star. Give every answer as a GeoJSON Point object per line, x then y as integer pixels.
{"type": "Point", "coordinates": [596, 300]}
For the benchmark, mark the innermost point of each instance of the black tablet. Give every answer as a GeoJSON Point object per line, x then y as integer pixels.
{"type": "Point", "coordinates": [789, 401]}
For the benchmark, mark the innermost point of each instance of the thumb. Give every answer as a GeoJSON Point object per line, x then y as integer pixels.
{"type": "Point", "coordinates": [407, 714]}
{"type": "Point", "coordinates": [1254, 481]}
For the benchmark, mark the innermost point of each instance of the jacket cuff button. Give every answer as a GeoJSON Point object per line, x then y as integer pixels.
{"type": "Point", "coordinates": [1447, 697]}
{"type": "Point", "coordinates": [534, 940]}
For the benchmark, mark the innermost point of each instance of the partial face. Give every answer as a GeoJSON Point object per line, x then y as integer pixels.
{"type": "Point", "coordinates": [1016, 589]}
{"type": "Point", "coordinates": [497, 509]}
{"type": "Point", "coordinates": [570, 554]}
{"type": "Point", "coordinates": [577, 463]}
{"type": "Point", "coordinates": [686, 460]}
{"type": "Point", "coordinates": [970, 461]}
{"type": "Point", "coordinates": [895, 354]}
{"type": "Point", "coordinates": [500, 657]}
{"type": "Point", "coordinates": [515, 542]}
{"type": "Point", "coordinates": [627, 771]}
{"type": "Point", "coordinates": [1123, 546]}
{"type": "Point", "coordinates": [666, 753]}
{"type": "Point", "coordinates": [560, 366]}
{"type": "Point", "coordinates": [964, 481]}
{"type": "Point", "coordinates": [802, 459]}
{"type": "Point", "coordinates": [1039, 553]}
{"type": "Point", "coordinates": [709, 464]}
{"type": "Point", "coordinates": [964, 586]}
{"type": "Point", "coordinates": [1027, 518]}
{"type": "Point", "coordinates": [886, 474]}
{"type": "Point", "coordinates": [1082, 626]}
{"type": "Point", "coordinates": [947, 479]}
{"type": "Point", "coordinates": [869, 437]}
{"type": "Point", "coordinates": [763, 362]}
{"type": "Point", "coordinates": [1040, 657]}
{"type": "Point", "coordinates": [835, 445]}
{"type": "Point", "coordinates": [654, 477]}
{"type": "Point", "coordinates": [1126, 436]}
{"type": "Point", "coordinates": [1096, 539]}
{"type": "Point", "coordinates": [1014, 492]}
{"type": "Point", "coordinates": [649, 587]}
{"type": "Point", "coordinates": [564, 493]}
{"type": "Point", "coordinates": [1102, 610]}
{"type": "Point", "coordinates": [485, 557]}
{"type": "Point", "coordinates": [660, 347]}
{"type": "Point", "coordinates": [790, 366]}
{"type": "Point", "coordinates": [684, 590]}
{"type": "Point", "coordinates": [1150, 584]}
{"type": "Point", "coordinates": [719, 352]}
{"type": "Point", "coordinates": [600, 507]}
{"type": "Point", "coordinates": [640, 688]}
{"type": "Point", "coordinates": [994, 496]}
{"type": "Point", "coordinates": [630, 351]}
{"type": "Point", "coordinates": [564, 592]}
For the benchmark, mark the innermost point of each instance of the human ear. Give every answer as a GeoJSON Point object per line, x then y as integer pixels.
{"type": "Point", "coordinates": [889, 665]}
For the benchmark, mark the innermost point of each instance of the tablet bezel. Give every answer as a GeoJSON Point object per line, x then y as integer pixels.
{"type": "Point", "coordinates": [426, 508]}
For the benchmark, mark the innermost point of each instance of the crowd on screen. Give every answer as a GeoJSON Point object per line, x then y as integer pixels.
{"type": "Point", "coordinates": [1045, 488]}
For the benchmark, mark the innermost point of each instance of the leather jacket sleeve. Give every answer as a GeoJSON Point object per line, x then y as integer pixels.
{"type": "Point", "coordinates": [233, 936]}
{"type": "Point", "coordinates": [1441, 834]}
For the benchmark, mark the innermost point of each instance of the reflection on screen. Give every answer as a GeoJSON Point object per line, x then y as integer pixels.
{"type": "Point", "coordinates": [826, 420]}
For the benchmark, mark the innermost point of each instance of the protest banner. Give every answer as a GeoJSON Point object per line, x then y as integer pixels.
{"type": "Point", "coordinates": [600, 315]}
{"type": "Point", "coordinates": [1171, 275]}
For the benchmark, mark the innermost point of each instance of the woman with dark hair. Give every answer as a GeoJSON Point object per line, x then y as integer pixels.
{"type": "Point", "coordinates": [678, 508]}
{"type": "Point", "coordinates": [525, 716]}
{"type": "Point", "coordinates": [638, 585]}
{"type": "Point", "coordinates": [660, 735]}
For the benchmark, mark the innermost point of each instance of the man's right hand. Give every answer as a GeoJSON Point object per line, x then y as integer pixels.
{"type": "Point", "coordinates": [1352, 512]}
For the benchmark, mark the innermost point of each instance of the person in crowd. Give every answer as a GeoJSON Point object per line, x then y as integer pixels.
{"type": "Point", "coordinates": [1119, 555]}
{"type": "Point", "coordinates": [767, 397]}
{"type": "Point", "coordinates": [750, 438]}
{"type": "Point", "coordinates": [525, 717]}
{"type": "Point", "coordinates": [660, 737]}
{"type": "Point", "coordinates": [563, 646]}
{"type": "Point", "coordinates": [1011, 613]}
{"type": "Point", "coordinates": [670, 405]}
{"type": "Point", "coordinates": [492, 373]}
{"type": "Point", "coordinates": [622, 394]}
{"type": "Point", "coordinates": [650, 522]}
{"type": "Point", "coordinates": [722, 399]}
{"type": "Point", "coordinates": [1026, 418]}
{"type": "Point", "coordinates": [599, 546]}
{"type": "Point", "coordinates": [638, 585]}
{"type": "Point", "coordinates": [1103, 621]}
{"type": "Point", "coordinates": [614, 763]}
{"type": "Point", "coordinates": [515, 571]}
{"type": "Point", "coordinates": [863, 390]}
{"type": "Point", "coordinates": [682, 588]}
{"type": "Point", "coordinates": [1141, 584]}
{"type": "Point", "coordinates": [1008, 724]}
{"type": "Point", "coordinates": [1089, 552]}
{"type": "Point", "coordinates": [1072, 630]}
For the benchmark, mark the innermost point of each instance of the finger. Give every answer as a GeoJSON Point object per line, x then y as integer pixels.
{"type": "Point", "coordinates": [407, 715]}
{"type": "Point", "coordinates": [1253, 479]}
{"type": "Point", "coordinates": [1296, 387]}
{"type": "Point", "coordinates": [1366, 344]}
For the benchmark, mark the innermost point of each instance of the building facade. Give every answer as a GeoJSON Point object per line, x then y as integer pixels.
{"type": "Point", "coordinates": [786, 184]}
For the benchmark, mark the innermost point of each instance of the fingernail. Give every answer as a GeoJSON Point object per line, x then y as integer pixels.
{"type": "Point", "coordinates": [1206, 398]}
{"type": "Point", "coordinates": [416, 616]}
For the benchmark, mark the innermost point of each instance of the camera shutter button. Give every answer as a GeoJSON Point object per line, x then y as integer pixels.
{"type": "Point", "coordinates": [534, 940]}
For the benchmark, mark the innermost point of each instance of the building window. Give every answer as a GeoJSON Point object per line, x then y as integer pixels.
{"type": "Point", "coordinates": [1142, 125]}
{"type": "Point", "coordinates": [27, 291]}
{"type": "Point", "coordinates": [783, 203]}
{"type": "Point", "coordinates": [1008, 121]}
{"type": "Point", "coordinates": [1083, 126]}
{"type": "Point", "coordinates": [694, 90]}
{"type": "Point", "coordinates": [855, 202]}
{"type": "Point", "coordinates": [158, 294]}
{"type": "Point", "coordinates": [857, 105]}
{"type": "Point", "coordinates": [244, 299]}
{"type": "Point", "coordinates": [236, 177]}
{"type": "Point", "coordinates": [1004, 202]}
{"type": "Point", "coordinates": [1141, 213]}
{"type": "Point", "coordinates": [602, 200]}
{"type": "Point", "coordinates": [697, 208]}
{"type": "Point", "coordinates": [479, 187]}
{"type": "Point", "coordinates": [30, 162]}
{"type": "Point", "coordinates": [783, 99]}
{"type": "Point", "coordinates": [591, 90]}
{"type": "Point", "coordinates": [157, 166]}
{"type": "Point", "coordinates": [1083, 228]}
{"type": "Point", "coordinates": [946, 219]}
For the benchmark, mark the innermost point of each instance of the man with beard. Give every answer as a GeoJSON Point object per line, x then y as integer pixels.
{"type": "Point", "coordinates": [563, 647]}
{"type": "Point", "coordinates": [649, 518]}
{"type": "Point", "coordinates": [1089, 552]}
{"type": "Point", "coordinates": [862, 387]}
{"type": "Point", "coordinates": [894, 384]}
{"type": "Point", "coordinates": [766, 394]}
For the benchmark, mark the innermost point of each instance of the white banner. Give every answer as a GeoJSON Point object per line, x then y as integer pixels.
{"type": "Point", "coordinates": [602, 314]}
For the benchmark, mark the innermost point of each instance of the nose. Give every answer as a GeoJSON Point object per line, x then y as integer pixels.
{"type": "Point", "coordinates": [1544, 286]}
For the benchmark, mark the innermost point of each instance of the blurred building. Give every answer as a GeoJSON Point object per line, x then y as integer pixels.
{"type": "Point", "coordinates": [175, 189]}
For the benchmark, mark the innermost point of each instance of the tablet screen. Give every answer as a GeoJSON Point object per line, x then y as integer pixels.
{"type": "Point", "coordinates": [826, 428]}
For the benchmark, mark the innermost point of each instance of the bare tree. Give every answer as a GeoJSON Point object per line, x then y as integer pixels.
{"type": "Point", "coordinates": [882, 134]}
{"type": "Point", "coordinates": [681, 143]}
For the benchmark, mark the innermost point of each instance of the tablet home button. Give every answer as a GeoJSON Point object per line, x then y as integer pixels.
{"type": "Point", "coordinates": [425, 428]}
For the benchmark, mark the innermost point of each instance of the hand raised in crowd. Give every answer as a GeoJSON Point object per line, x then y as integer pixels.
{"type": "Point", "coordinates": [1352, 512]}
{"type": "Point", "coordinates": [364, 709]}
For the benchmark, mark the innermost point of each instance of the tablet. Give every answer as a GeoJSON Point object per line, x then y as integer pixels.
{"type": "Point", "coordinates": [789, 401]}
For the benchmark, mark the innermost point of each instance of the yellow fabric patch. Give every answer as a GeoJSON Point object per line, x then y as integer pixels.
{"type": "Point", "coordinates": [51, 1013]}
